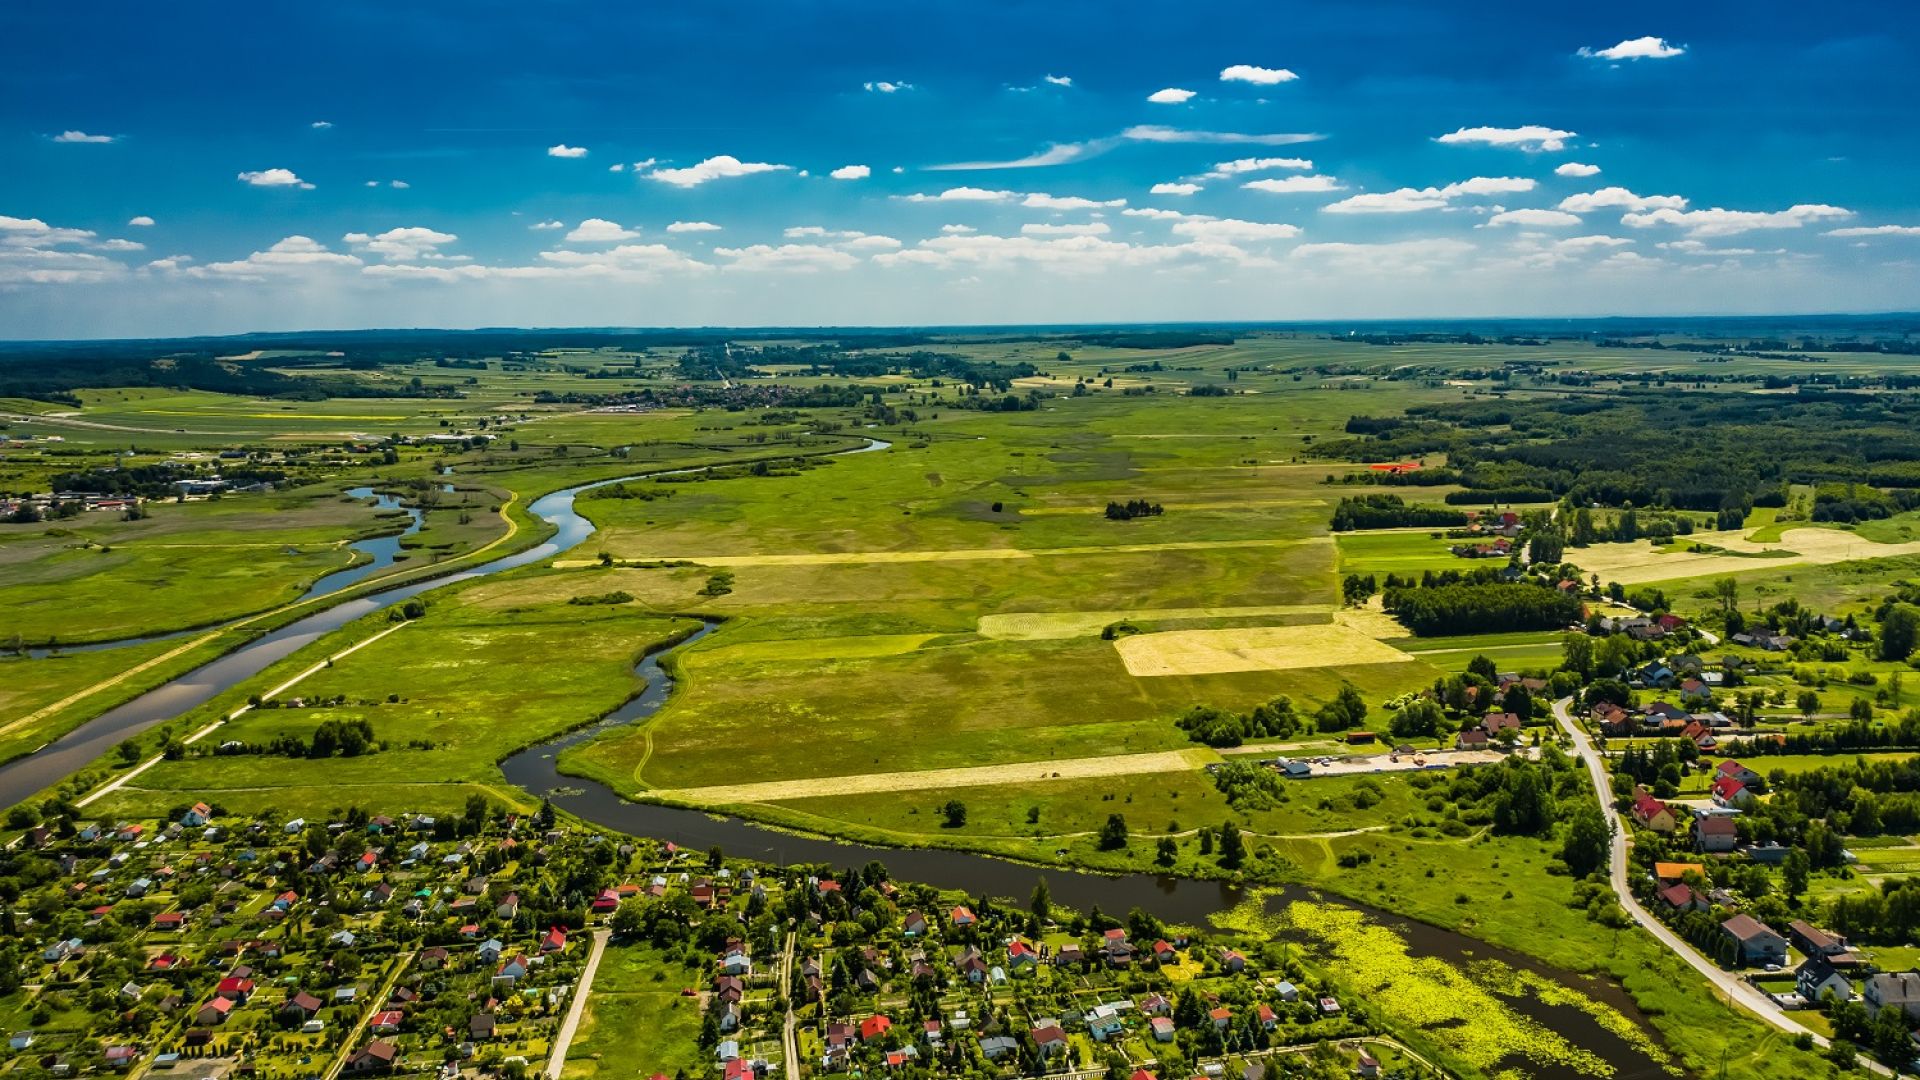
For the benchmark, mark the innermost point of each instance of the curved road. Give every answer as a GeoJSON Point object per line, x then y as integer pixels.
{"type": "Point", "coordinates": [1737, 990]}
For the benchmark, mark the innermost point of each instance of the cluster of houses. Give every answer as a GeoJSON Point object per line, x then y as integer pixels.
{"type": "Point", "coordinates": [87, 501]}
{"type": "Point", "coordinates": [1664, 719]}
{"type": "Point", "coordinates": [1638, 627]}
{"type": "Point", "coordinates": [214, 932]}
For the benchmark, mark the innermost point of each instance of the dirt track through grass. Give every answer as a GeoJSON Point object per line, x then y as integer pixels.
{"type": "Point", "coordinates": [936, 779]}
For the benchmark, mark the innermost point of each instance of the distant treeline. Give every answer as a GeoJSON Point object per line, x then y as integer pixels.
{"type": "Point", "coordinates": [1481, 608]}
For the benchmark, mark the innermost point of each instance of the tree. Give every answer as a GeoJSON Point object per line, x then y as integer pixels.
{"type": "Point", "coordinates": [1168, 851]}
{"type": "Point", "coordinates": [954, 812]}
{"type": "Point", "coordinates": [1523, 806]}
{"type": "Point", "coordinates": [1726, 593]}
{"type": "Point", "coordinates": [1420, 719]}
{"type": "Point", "coordinates": [1042, 902]}
{"type": "Point", "coordinates": [1233, 850]}
{"type": "Point", "coordinates": [1576, 654]}
{"type": "Point", "coordinates": [1346, 710]}
{"type": "Point", "coordinates": [1793, 873]}
{"type": "Point", "coordinates": [1113, 835]}
{"type": "Point", "coordinates": [1899, 632]}
{"type": "Point", "coordinates": [1483, 667]}
{"type": "Point", "coordinates": [1808, 702]}
{"type": "Point", "coordinates": [1585, 847]}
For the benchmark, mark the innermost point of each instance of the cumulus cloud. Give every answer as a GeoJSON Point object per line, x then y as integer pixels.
{"type": "Point", "coordinates": [275, 178]}
{"type": "Point", "coordinates": [548, 225]}
{"type": "Point", "coordinates": [1720, 222]}
{"type": "Point", "coordinates": [1059, 80]}
{"type": "Point", "coordinates": [562, 150]}
{"type": "Point", "coordinates": [1407, 200]}
{"type": "Point", "coordinates": [803, 258]}
{"type": "Point", "coordinates": [618, 166]}
{"type": "Point", "coordinates": [1399, 256]}
{"type": "Point", "coordinates": [883, 87]}
{"type": "Point", "coordinates": [121, 245]}
{"type": "Point", "coordinates": [1223, 169]}
{"type": "Point", "coordinates": [1259, 76]}
{"type": "Point", "coordinates": [1040, 200]}
{"type": "Point", "coordinates": [851, 172]}
{"type": "Point", "coordinates": [1876, 230]}
{"type": "Point", "coordinates": [1540, 218]}
{"type": "Point", "coordinates": [1066, 254]}
{"type": "Point", "coordinates": [1575, 168]}
{"type": "Point", "coordinates": [1526, 137]}
{"type": "Point", "coordinates": [1160, 133]}
{"type": "Point", "coordinates": [1092, 228]}
{"type": "Point", "coordinates": [292, 255]}
{"type": "Point", "coordinates": [32, 232]}
{"type": "Point", "coordinates": [321, 125]}
{"type": "Point", "coordinates": [82, 137]}
{"type": "Point", "coordinates": [1619, 198]}
{"type": "Point", "coordinates": [1640, 48]}
{"type": "Point", "coordinates": [1172, 95]}
{"type": "Point", "coordinates": [600, 231]}
{"type": "Point", "coordinates": [1294, 185]}
{"type": "Point", "coordinates": [957, 230]}
{"type": "Point", "coordinates": [1174, 189]}
{"type": "Point", "coordinates": [692, 226]}
{"type": "Point", "coordinates": [960, 194]}
{"type": "Point", "coordinates": [407, 244]}
{"type": "Point", "coordinates": [140, 219]}
{"type": "Point", "coordinates": [1234, 231]}
{"type": "Point", "coordinates": [722, 167]}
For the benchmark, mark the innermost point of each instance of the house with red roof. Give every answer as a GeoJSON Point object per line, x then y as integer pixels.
{"type": "Point", "coordinates": [873, 1027]}
{"type": "Point", "coordinates": [1651, 813]}
{"type": "Point", "coordinates": [1731, 794]}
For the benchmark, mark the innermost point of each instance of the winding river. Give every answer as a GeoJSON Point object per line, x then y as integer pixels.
{"type": "Point", "coordinates": [1180, 900]}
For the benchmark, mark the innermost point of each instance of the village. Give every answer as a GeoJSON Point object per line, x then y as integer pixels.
{"type": "Point", "coordinates": [215, 946]}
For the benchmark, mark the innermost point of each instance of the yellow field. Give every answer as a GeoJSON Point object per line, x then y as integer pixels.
{"type": "Point", "coordinates": [1260, 648]}
{"type": "Point", "coordinates": [1030, 772]}
{"type": "Point", "coordinates": [1632, 564]}
{"type": "Point", "coordinates": [1056, 625]}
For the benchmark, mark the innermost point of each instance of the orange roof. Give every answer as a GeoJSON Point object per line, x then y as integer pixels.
{"type": "Point", "coordinates": [1671, 871]}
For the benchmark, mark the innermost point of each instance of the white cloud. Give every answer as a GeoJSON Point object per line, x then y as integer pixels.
{"type": "Point", "coordinates": [960, 194]}
{"type": "Point", "coordinates": [618, 166]}
{"type": "Point", "coordinates": [957, 230]}
{"type": "Point", "coordinates": [868, 242]}
{"type": "Point", "coordinates": [1067, 254]}
{"type": "Point", "coordinates": [1876, 230]}
{"type": "Point", "coordinates": [1294, 185]}
{"type": "Point", "coordinates": [851, 172]}
{"type": "Point", "coordinates": [804, 258]}
{"type": "Point", "coordinates": [1527, 137]}
{"type": "Point", "coordinates": [39, 266]}
{"type": "Point", "coordinates": [600, 231]}
{"type": "Point", "coordinates": [292, 255]}
{"type": "Point", "coordinates": [1232, 231]}
{"type": "Point", "coordinates": [1223, 169]}
{"type": "Point", "coordinates": [1551, 219]}
{"type": "Point", "coordinates": [722, 167]}
{"type": "Point", "coordinates": [1590, 243]}
{"type": "Point", "coordinates": [562, 150]}
{"type": "Point", "coordinates": [1619, 198]}
{"type": "Point", "coordinates": [1094, 228]}
{"type": "Point", "coordinates": [1041, 201]}
{"type": "Point", "coordinates": [1159, 133]}
{"type": "Point", "coordinates": [82, 137]}
{"type": "Point", "coordinates": [32, 232]}
{"type": "Point", "coordinates": [1719, 222]}
{"type": "Point", "coordinates": [1400, 256]}
{"type": "Point", "coordinates": [798, 232]}
{"type": "Point", "coordinates": [1174, 189]}
{"type": "Point", "coordinates": [399, 184]}
{"type": "Point", "coordinates": [1408, 200]}
{"type": "Point", "coordinates": [407, 244]}
{"type": "Point", "coordinates": [548, 225]}
{"type": "Point", "coordinates": [1259, 76]}
{"type": "Point", "coordinates": [275, 178]}
{"type": "Point", "coordinates": [1060, 80]}
{"type": "Point", "coordinates": [121, 245]}
{"type": "Point", "coordinates": [1172, 95]}
{"type": "Point", "coordinates": [639, 165]}
{"type": "Point", "coordinates": [1156, 214]}
{"type": "Point", "coordinates": [1640, 48]}
{"type": "Point", "coordinates": [1701, 248]}
{"type": "Point", "coordinates": [693, 226]}
{"type": "Point", "coordinates": [882, 87]}
{"type": "Point", "coordinates": [140, 219]}
{"type": "Point", "coordinates": [321, 125]}
{"type": "Point", "coordinates": [1054, 154]}
{"type": "Point", "coordinates": [1575, 168]}
{"type": "Point", "coordinates": [639, 262]}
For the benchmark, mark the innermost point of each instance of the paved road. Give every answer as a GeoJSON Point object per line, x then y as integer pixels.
{"type": "Point", "coordinates": [1736, 990]}
{"type": "Point", "coordinates": [557, 1059]}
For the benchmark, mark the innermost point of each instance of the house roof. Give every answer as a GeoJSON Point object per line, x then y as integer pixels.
{"type": "Point", "coordinates": [1746, 928]}
{"type": "Point", "coordinates": [1717, 825]}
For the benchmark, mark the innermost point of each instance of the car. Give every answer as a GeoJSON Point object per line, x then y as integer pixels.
{"type": "Point", "coordinates": [1771, 968]}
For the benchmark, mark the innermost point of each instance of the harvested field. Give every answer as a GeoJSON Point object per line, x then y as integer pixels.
{"type": "Point", "coordinates": [1632, 564]}
{"type": "Point", "coordinates": [1264, 648]}
{"type": "Point", "coordinates": [1371, 621]}
{"type": "Point", "coordinates": [1053, 625]}
{"type": "Point", "coordinates": [1025, 772]}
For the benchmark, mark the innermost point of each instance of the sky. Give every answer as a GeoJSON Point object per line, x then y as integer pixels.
{"type": "Point", "coordinates": [170, 169]}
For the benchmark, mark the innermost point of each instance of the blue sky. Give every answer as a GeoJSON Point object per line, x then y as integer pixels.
{"type": "Point", "coordinates": [189, 168]}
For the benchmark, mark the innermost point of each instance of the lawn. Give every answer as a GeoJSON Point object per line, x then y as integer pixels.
{"type": "Point", "coordinates": [637, 1023]}
{"type": "Point", "coordinates": [1398, 551]}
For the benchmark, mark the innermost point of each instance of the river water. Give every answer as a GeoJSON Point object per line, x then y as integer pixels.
{"type": "Point", "coordinates": [1179, 900]}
